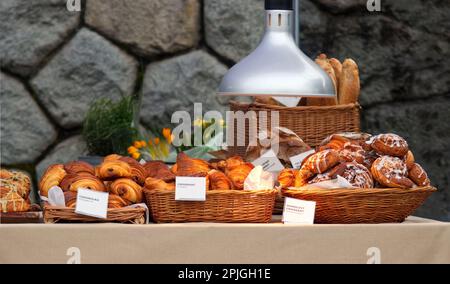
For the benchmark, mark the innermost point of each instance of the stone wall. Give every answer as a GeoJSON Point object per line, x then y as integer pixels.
{"type": "Point", "coordinates": [55, 62]}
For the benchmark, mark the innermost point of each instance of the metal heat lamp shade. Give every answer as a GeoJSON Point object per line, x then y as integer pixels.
{"type": "Point", "coordinates": [277, 67]}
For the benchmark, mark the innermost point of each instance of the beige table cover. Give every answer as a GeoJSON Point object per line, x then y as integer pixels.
{"type": "Point", "coordinates": [414, 241]}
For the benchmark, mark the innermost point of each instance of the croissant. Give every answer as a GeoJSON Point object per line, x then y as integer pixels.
{"type": "Point", "coordinates": [187, 166]}
{"type": "Point", "coordinates": [230, 163]}
{"type": "Point", "coordinates": [321, 161]}
{"type": "Point", "coordinates": [391, 172]}
{"type": "Point", "coordinates": [219, 181]}
{"type": "Point", "coordinates": [88, 182]}
{"type": "Point", "coordinates": [127, 189]}
{"type": "Point", "coordinates": [302, 177]}
{"type": "Point", "coordinates": [159, 170]}
{"type": "Point", "coordinates": [286, 178]}
{"type": "Point", "coordinates": [70, 198]}
{"type": "Point", "coordinates": [52, 177]}
{"type": "Point", "coordinates": [390, 144]}
{"type": "Point", "coordinates": [138, 172]}
{"type": "Point", "coordinates": [110, 170]}
{"type": "Point", "coordinates": [76, 167]}
{"type": "Point", "coordinates": [238, 174]}
{"type": "Point", "coordinates": [13, 202]}
{"type": "Point", "coordinates": [112, 157]}
{"type": "Point", "coordinates": [418, 175]}
{"type": "Point", "coordinates": [153, 183]}
{"type": "Point", "coordinates": [115, 201]}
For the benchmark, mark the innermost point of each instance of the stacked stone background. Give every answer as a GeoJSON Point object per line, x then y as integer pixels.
{"type": "Point", "coordinates": [175, 52]}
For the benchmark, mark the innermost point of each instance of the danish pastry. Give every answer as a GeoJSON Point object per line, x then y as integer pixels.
{"type": "Point", "coordinates": [153, 183]}
{"type": "Point", "coordinates": [321, 161]}
{"type": "Point", "coordinates": [390, 144]}
{"type": "Point", "coordinates": [238, 174]}
{"type": "Point", "coordinates": [219, 181]}
{"type": "Point", "coordinates": [159, 170]}
{"type": "Point", "coordinates": [286, 178]}
{"type": "Point", "coordinates": [127, 189]}
{"type": "Point", "coordinates": [110, 170]}
{"type": "Point", "coordinates": [115, 201]}
{"type": "Point", "coordinates": [87, 181]}
{"type": "Point", "coordinates": [352, 152]}
{"type": "Point", "coordinates": [76, 167]}
{"type": "Point", "coordinates": [409, 160]}
{"type": "Point", "coordinates": [391, 172]}
{"type": "Point", "coordinates": [356, 174]}
{"type": "Point", "coordinates": [138, 172]}
{"type": "Point", "coordinates": [418, 175]}
{"type": "Point", "coordinates": [52, 177]}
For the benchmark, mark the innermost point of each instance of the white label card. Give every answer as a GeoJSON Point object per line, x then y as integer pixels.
{"type": "Point", "coordinates": [269, 162]}
{"type": "Point", "coordinates": [92, 203]}
{"type": "Point", "coordinates": [298, 211]}
{"type": "Point", "coordinates": [190, 189]}
{"type": "Point", "coordinates": [297, 160]}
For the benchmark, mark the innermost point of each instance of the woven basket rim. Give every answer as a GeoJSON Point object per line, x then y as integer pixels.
{"type": "Point", "coordinates": [217, 192]}
{"type": "Point", "coordinates": [114, 210]}
{"type": "Point", "coordinates": [359, 191]}
{"type": "Point", "coordinates": [276, 107]}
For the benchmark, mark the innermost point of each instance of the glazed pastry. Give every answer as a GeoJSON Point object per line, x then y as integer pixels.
{"type": "Point", "coordinates": [391, 172]}
{"type": "Point", "coordinates": [115, 201]}
{"type": "Point", "coordinates": [110, 170]}
{"type": "Point", "coordinates": [153, 183]}
{"type": "Point", "coordinates": [356, 174]}
{"type": "Point", "coordinates": [52, 177]}
{"type": "Point", "coordinates": [321, 161]}
{"type": "Point", "coordinates": [76, 167]}
{"type": "Point", "coordinates": [187, 166]}
{"type": "Point", "coordinates": [13, 202]}
{"type": "Point", "coordinates": [349, 85]}
{"type": "Point", "coordinates": [6, 186]}
{"type": "Point", "coordinates": [352, 152]}
{"type": "Point", "coordinates": [409, 160]}
{"type": "Point", "coordinates": [70, 198]}
{"type": "Point", "coordinates": [138, 172]}
{"type": "Point", "coordinates": [159, 170]}
{"type": "Point", "coordinates": [20, 180]}
{"type": "Point", "coordinates": [219, 181]}
{"type": "Point", "coordinates": [238, 174]}
{"type": "Point", "coordinates": [418, 175]}
{"type": "Point", "coordinates": [86, 181]}
{"type": "Point", "coordinates": [369, 158]}
{"type": "Point", "coordinates": [112, 157]}
{"type": "Point", "coordinates": [286, 178]}
{"type": "Point", "coordinates": [5, 174]}
{"type": "Point", "coordinates": [127, 189]}
{"type": "Point", "coordinates": [302, 177]}
{"type": "Point", "coordinates": [390, 144]}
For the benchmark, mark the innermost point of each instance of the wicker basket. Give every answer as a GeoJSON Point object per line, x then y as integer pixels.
{"type": "Point", "coordinates": [349, 206]}
{"type": "Point", "coordinates": [53, 214]}
{"type": "Point", "coordinates": [224, 206]}
{"type": "Point", "coordinates": [311, 123]}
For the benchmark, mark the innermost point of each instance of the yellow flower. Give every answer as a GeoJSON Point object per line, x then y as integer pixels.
{"type": "Point", "coordinates": [136, 155]}
{"type": "Point", "coordinates": [150, 142]}
{"type": "Point", "coordinates": [143, 143]}
{"type": "Point", "coordinates": [157, 140]}
{"type": "Point", "coordinates": [137, 144]}
{"type": "Point", "coordinates": [132, 150]}
{"type": "Point", "coordinates": [167, 134]}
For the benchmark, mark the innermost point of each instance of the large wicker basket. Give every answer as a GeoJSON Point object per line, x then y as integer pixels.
{"type": "Point", "coordinates": [311, 123]}
{"type": "Point", "coordinates": [349, 206]}
{"type": "Point", "coordinates": [126, 215]}
{"type": "Point", "coordinates": [223, 206]}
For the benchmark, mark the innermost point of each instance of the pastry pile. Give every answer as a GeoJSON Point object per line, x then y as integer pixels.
{"type": "Point", "coordinates": [365, 161]}
{"type": "Point", "coordinates": [15, 188]}
{"type": "Point", "coordinates": [122, 177]}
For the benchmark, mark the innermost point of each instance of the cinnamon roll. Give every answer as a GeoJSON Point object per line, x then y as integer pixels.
{"type": "Point", "coordinates": [391, 172]}
{"type": "Point", "coordinates": [390, 144]}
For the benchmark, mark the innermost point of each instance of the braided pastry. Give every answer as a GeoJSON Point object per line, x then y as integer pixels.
{"type": "Point", "coordinates": [6, 186]}
{"type": "Point", "coordinates": [321, 161]}
{"type": "Point", "coordinates": [115, 201]}
{"type": "Point", "coordinates": [87, 181]}
{"type": "Point", "coordinates": [390, 144]}
{"type": "Point", "coordinates": [76, 167]}
{"type": "Point", "coordinates": [391, 172]}
{"type": "Point", "coordinates": [13, 202]}
{"type": "Point", "coordinates": [418, 175]}
{"type": "Point", "coordinates": [219, 181]}
{"type": "Point", "coordinates": [138, 172]}
{"type": "Point", "coordinates": [153, 183]}
{"type": "Point", "coordinates": [159, 170]}
{"type": "Point", "coordinates": [127, 189]}
{"type": "Point", "coordinates": [110, 170]}
{"type": "Point", "coordinates": [238, 174]}
{"type": "Point", "coordinates": [52, 177]}
{"type": "Point", "coordinates": [286, 178]}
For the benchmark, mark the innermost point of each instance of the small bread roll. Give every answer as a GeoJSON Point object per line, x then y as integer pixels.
{"type": "Point", "coordinates": [349, 85]}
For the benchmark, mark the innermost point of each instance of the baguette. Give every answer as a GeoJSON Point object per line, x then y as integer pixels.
{"type": "Point", "coordinates": [323, 62]}
{"type": "Point", "coordinates": [349, 84]}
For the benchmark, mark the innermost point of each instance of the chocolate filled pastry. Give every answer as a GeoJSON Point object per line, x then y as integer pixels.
{"type": "Point", "coordinates": [238, 174]}
{"type": "Point", "coordinates": [321, 161]}
{"type": "Point", "coordinates": [356, 174]}
{"type": "Point", "coordinates": [391, 172]}
{"type": "Point", "coordinates": [52, 177]}
{"type": "Point", "coordinates": [159, 170]}
{"type": "Point", "coordinates": [286, 178]}
{"type": "Point", "coordinates": [110, 170]}
{"type": "Point", "coordinates": [127, 189]}
{"type": "Point", "coordinates": [219, 181]}
{"type": "Point", "coordinates": [87, 181]}
{"type": "Point", "coordinates": [76, 167]}
{"type": "Point", "coordinates": [13, 202]}
{"type": "Point", "coordinates": [115, 201]}
{"type": "Point", "coordinates": [153, 183]}
{"type": "Point", "coordinates": [138, 172]}
{"type": "Point", "coordinates": [352, 152]}
{"type": "Point", "coordinates": [68, 179]}
{"type": "Point", "coordinates": [70, 198]}
{"type": "Point", "coordinates": [418, 175]}
{"type": "Point", "coordinates": [112, 157]}
{"type": "Point", "coordinates": [390, 144]}
{"type": "Point", "coordinates": [187, 166]}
